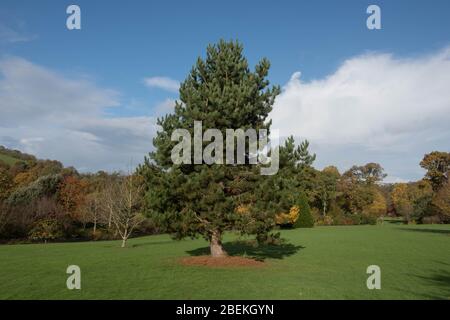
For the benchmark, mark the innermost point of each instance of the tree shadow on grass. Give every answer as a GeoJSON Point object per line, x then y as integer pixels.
{"type": "Point", "coordinates": [439, 280]}
{"type": "Point", "coordinates": [438, 231]}
{"type": "Point", "coordinates": [252, 250]}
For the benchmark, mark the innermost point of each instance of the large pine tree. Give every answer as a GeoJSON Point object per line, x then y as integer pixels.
{"type": "Point", "coordinates": [203, 199]}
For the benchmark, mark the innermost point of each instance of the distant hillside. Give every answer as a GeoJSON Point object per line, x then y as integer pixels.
{"type": "Point", "coordinates": [8, 159]}
{"type": "Point", "coordinates": [10, 156]}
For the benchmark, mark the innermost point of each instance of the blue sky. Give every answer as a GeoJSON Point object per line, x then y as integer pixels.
{"type": "Point", "coordinates": [122, 43]}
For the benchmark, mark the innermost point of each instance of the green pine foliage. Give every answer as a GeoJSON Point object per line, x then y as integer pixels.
{"type": "Point", "coordinates": [201, 199]}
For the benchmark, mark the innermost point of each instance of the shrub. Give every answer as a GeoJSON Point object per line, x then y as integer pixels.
{"type": "Point", "coordinates": [148, 226]}
{"type": "Point", "coordinates": [324, 221]}
{"type": "Point", "coordinates": [287, 220]}
{"type": "Point", "coordinates": [431, 220]}
{"type": "Point", "coordinates": [305, 218]}
{"type": "Point", "coordinates": [335, 210]}
{"type": "Point", "coordinates": [368, 219]}
{"type": "Point", "coordinates": [317, 214]}
{"type": "Point", "coordinates": [97, 235]}
{"type": "Point", "coordinates": [45, 229]}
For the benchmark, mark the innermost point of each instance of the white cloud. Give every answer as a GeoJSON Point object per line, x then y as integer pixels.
{"type": "Point", "coordinates": [30, 93]}
{"type": "Point", "coordinates": [373, 104]}
{"type": "Point", "coordinates": [52, 116]}
{"type": "Point", "coordinates": [164, 83]}
{"type": "Point", "coordinates": [165, 107]}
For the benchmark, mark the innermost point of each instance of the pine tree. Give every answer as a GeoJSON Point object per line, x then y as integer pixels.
{"type": "Point", "coordinates": [201, 199]}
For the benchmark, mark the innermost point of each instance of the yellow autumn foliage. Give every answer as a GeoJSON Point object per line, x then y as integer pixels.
{"type": "Point", "coordinates": [281, 218]}
{"type": "Point", "coordinates": [288, 218]}
{"type": "Point", "coordinates": [378, 207]}
{"type": "Point", "coordinates": [242, 209]}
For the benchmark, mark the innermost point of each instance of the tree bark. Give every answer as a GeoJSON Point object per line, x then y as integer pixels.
{"type": "Point", "coordinates": [216, 247]}
{"type": "Point", "coordinates": [124, 241]}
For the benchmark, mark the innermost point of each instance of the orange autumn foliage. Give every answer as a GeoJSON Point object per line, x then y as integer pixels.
{"type": "Point", "coordinates": [72, 196]}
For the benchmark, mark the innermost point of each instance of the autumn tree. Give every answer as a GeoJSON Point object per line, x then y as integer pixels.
{"type": "Point", "coordinates": [441, 201]}
{"type": "Point", "coordinates": [223, 93]}
{"type": "Point", "coordinates": [437, 165]}
{"type": "Point", "coordinates": [402, 201]}
{"type": "Point", "coordinates": [412, 200]}
{"type": "Point", "coordinates": [326, 190]}
{"type": "Point", "coordinates": [72, 195]}
{"type": "Point", "coordinates": [358, 186]}
{"type": "Point", "coordinates": [6, 184]}
{"type": "Point", "coordinates": [369, 173]}
{"type": "Point", "coordinates": [378, 207]}
{"type": "Point", "coordinates": [27, 173]}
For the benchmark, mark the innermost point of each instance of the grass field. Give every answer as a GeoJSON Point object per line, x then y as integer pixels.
{"type": "Point", "coordinates": [8, 159]}
{"type": "Point", "coordinates": [318, 263]}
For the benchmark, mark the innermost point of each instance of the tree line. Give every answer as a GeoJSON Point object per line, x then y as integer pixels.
{"type": "Point", "coordinates": [40, 200]}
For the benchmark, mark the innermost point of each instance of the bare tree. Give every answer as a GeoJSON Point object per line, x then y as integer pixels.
{"type": "Point", "coordinates": [93, 210]}
{"type": "Point", "coordinates": [122, 200]}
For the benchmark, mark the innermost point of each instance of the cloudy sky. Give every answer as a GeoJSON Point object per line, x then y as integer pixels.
{"type": "Point", "coordinates": [90, 97]}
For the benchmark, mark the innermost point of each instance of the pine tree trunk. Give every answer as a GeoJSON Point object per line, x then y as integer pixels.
{"type": "Point", "coordinates": [216, 247]}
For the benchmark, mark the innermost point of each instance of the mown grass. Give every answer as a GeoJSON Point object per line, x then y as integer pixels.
{"type": "Point", "coordinates": [318, 263]}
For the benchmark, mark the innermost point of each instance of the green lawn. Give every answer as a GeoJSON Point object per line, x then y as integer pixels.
{"type": "Point", "coordinates": [318, 263]}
